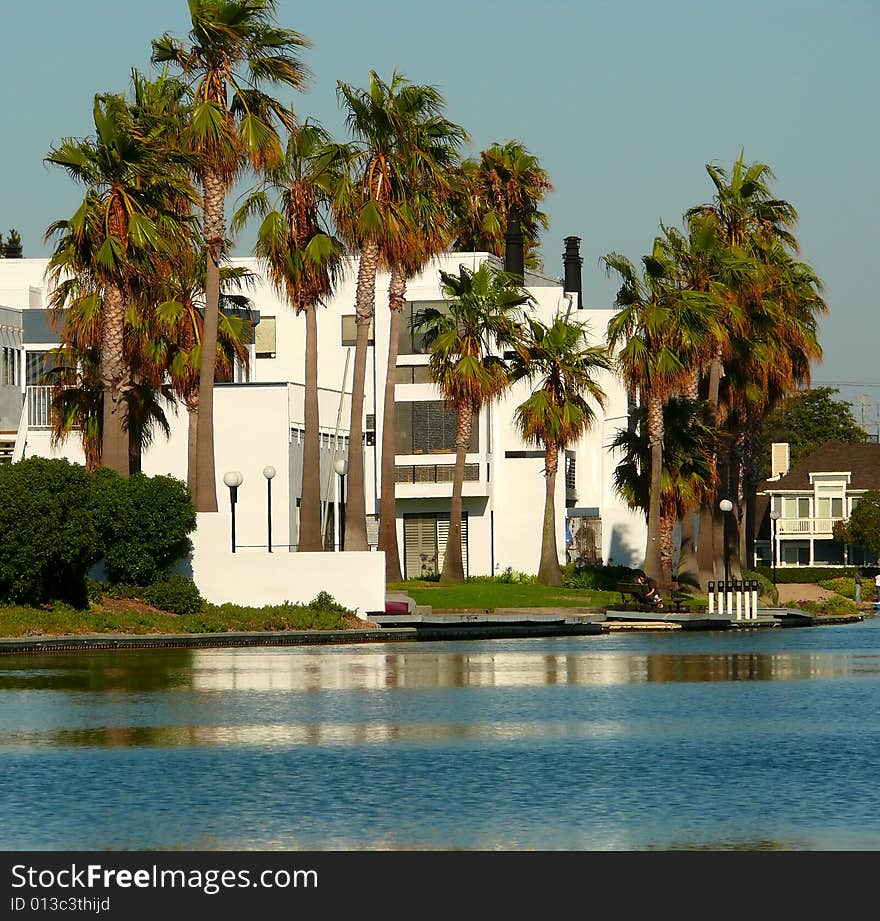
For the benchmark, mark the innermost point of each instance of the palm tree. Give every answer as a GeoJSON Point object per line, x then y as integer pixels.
{"type": "Point", "coordinates": [756, 229]}
{"type": "Point", "coordinates": [175, 338]}
{"type": "Point", "coordinates": [506, 177]}
{"type": "Point", "coordinates": [234, 49]}
{"type": "Point", "coordinates": [303, 259]}
{"type": "Point", "coordinates": [558, 411]}
{"type": "Point", "coordinates": [660, 331]}
{"type": "Point", "coordinates": [125, 223]}
{"type": "Point", "coordinates": [77, 405]}
{"type": "Point", "coordinates": [687, 472]}
{"type": "Point", "coordinates": [480, 315]}
{"type": "Point", "coordinates": [426, 231]}
{"type": "Point", "coordinates": [394, 143]}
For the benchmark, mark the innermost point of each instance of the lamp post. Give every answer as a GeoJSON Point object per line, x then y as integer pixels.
{"type": "Point", "coordinates": [775, 515]}
{"type": "Point", "coordinates": [726, 506]}
{"type": "Point", "coordinates": [233, 479]}
{"type": "Point", "coordinates": [340, 465]}
{"type": "Point", "coordinates": [268, 473]}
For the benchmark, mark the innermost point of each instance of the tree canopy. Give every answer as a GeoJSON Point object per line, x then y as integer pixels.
{"type": "Point", "coordinates": [806, 420]}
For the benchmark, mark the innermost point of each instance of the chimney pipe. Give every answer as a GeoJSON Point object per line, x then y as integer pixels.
{"type": "Point", "coordinates": [572, 262]}
{"type": "Point", "coordinates": [514, 255]}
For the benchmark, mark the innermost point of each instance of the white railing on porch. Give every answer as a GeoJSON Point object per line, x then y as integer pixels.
{"type": "Point", "coordinates": [807, 527]}
{"type": "Point", "coordinates": [39, 406]}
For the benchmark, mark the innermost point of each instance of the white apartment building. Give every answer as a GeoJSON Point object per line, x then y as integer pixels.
{"type": "Point", "coordinates": [258, 419]}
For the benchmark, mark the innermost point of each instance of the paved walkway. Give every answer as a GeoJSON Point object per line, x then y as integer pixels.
{"type": "Point", "coordinates": [803, 591]}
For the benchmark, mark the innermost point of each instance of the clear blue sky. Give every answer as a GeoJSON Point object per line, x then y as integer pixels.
{"type": "Point", "coordinates": [623, 101]}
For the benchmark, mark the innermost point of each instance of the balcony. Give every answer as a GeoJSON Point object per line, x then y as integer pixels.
{"type": "Point", "coordinates": [426, 480]}
{"type": "Point", "coordinates": [806, 527]}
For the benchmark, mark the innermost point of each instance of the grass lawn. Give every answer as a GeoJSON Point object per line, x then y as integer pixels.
{"type": "Point", "coordinates": [494, 595]}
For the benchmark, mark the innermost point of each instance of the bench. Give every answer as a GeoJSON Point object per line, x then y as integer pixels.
{"type": "Point", "coordinates": [637, 591]}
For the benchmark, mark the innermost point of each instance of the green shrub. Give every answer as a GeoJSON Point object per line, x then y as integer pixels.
{"type": "Point", "coordinates": [146, 522]}
{"type": "Point", "coordinates": [834, 605]}
{"type": "Point", "coordinates": [325, 602]}
{"type": "Point", "coordinates": [49, 536]}
{"type": "Point", "coordinates": [766, 588]}
{"type": "Point", "coordinates": [175, 594]}
{"type": "Point", "coordinates": [596, 578]}
{"type": "Point", "coordinates": [843, 585]}
{"type": "Point", "coordinates": [792, 575]}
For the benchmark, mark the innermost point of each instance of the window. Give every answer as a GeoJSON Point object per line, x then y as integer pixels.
{"type": "Point", "coordinates": [264, 337]}
{"type": "Point", "coordinates": [9, 366]}
{"type": "Point", "coordinates": [413, 374]}
{"type": "Point", "coordinates": [349, 330]}
{"type": "Point", "coordinates": [795, 552]}
{"type": "Point", "coordinates": [424, 543]}
{"type": "Point", "coordinates": [830, 507]}
{"type": "Point", "coordinates": [428, 427]}
{"type": "Point", "coordinates": [36, 365]}
{"type": "Point", "coordinates": [795, 507]}
{"type": "Point", "coordinates": [410, 342]}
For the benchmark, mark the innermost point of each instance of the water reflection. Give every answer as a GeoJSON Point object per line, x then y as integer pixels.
{"type": "Point", "coordinates": [759, 742]}
{"type": "Point", "coordinates": [414, 670]}
{"type": "Point", "coordinates": [320, 669]}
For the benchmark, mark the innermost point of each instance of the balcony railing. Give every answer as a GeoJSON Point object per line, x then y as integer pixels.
{"type": "Point", "coordinates": [39, 407]}
{"type": "Point", "coordinates": [805, 526]}
{"type": "Point", "coordinates": [434, 473]}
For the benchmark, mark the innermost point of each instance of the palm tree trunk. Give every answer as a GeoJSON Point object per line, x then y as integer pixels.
{"type": "Point", "coordinates": [388, 504]}
{"type": "Point", "coordinates": [688, 569]}
{"type": "Point", "coordinates": [688, 572]}
{"type": "Point", "coordinates": [355, 503]}
{"type": "Point", "coordinates": [310, 503]}
{"type": "Point", "coordinates": [707, 550]}
{"type": "Point", "coordinates": [653, 565]}
{"type": "Point", "coordinates": [549, 572]}
{"type": "Point", "coordinates": [114, 378]}
{"type": "Point", "coordinates": [192, 409]}
{"type": "Point", "coordinates": [215, 236]}
{"type": "Point", "coordinates": [135, 452]}
{"type": "Point", "coordinates": [453, 566]}
{"type": "Point", "coordinates": [667, 527]}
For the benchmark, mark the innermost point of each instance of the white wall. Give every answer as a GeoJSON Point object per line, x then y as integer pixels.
{"type": "Point", "coordinates": [256, 577]}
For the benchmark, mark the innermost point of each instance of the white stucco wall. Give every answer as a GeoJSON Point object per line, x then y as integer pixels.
{"type": "Point", "coordinates": [256, 577]}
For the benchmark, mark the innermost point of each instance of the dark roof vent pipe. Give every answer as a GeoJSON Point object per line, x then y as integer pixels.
{"type": "Point", "coordinates": [572, 262]}
{"type": "Point", "coordinates": [514, 254]}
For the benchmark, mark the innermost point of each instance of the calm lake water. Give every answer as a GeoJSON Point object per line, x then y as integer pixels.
{"type": "Point", "coordinates": [765, 739]}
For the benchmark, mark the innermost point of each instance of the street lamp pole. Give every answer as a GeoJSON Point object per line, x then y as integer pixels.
{"type": "Point", "coordinates": [726, 506]}
{"type": "Point", "coordinates": [775, 515]}
{"type": "Point", "coordinates": [268, 473]}
{"type": "Point", "coordinates": [233, 479]}
{"type": "Point", "coordinates": [340, 465]}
